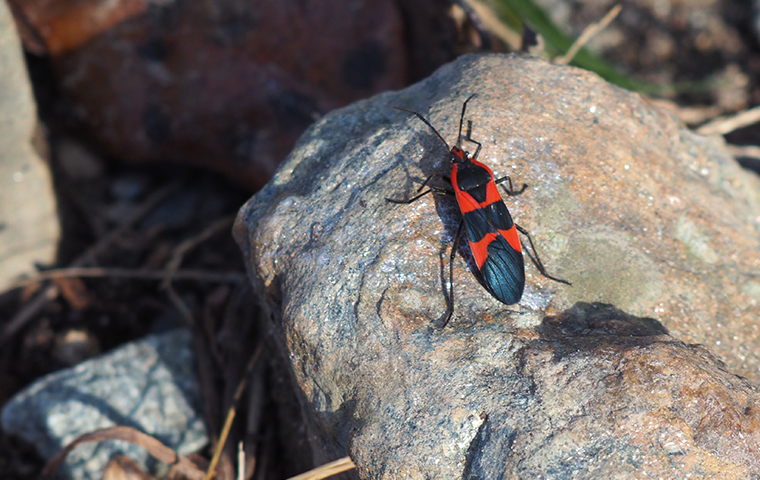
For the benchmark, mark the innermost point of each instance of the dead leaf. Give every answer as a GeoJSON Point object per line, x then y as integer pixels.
{"type": "Point", "coordinates": [180, 464]}
{"type": "Point", "coordinates": [75, 292]}
{"type": "Point", "coordinates": [64, 25]}
{"type": "Point", "coordinates": [122, 468]}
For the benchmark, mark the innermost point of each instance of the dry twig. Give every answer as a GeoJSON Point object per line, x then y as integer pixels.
{"type": "Point", "coordinates": [587, 34]}
{"type": "Point", "coordinates": [327, 470]}
{"type": "Point", "coordinates": [231, 413]}
{"type": "Point", "coordinates": [745, 151]}
{"type": "Point", "coordinates": [157, 449]}
{"type": "Point", "coordinates": [241, 462]}
{"type": "Point", "coordinates": [724, 125]}
{"type": "Point", "coordinates": [51, 292]}
{"type": "Point", "coordinates": [179, 254]}
{"type": "Point", "coordinates": [132, 274]}
{"type": "Point", "coordinates": [493, 24]}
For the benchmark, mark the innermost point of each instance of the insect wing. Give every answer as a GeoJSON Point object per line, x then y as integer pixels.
{"type": "Point", "coordinates": [489, 231]}
{"type": "Point", "coordinates": [503, 271]}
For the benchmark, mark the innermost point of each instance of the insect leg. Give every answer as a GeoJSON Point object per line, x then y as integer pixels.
{"type": "Point", "coordinates": [438, 190]}
{"type": "Point", "coordinates": [511, 190]}
{"type": "Point", "coordinates": [469, 139]}
{"type": "Point", "coordinates": [461, 119]}
{"type": "Point", "coordinates": [537, 260]}
{"type": "Point", "coordinates": [450, 300]}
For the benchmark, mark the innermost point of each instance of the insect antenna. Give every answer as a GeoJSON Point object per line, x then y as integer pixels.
{"type": "Point", "coordinates": [419, 115]}
{"type": "Point", "coordinates": [461, 119]}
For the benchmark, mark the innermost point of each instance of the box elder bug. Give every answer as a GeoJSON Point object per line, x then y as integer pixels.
{"type": "Point", "coordinates": [490, 231]}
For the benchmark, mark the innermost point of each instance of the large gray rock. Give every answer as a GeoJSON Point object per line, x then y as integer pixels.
{"type": "Point", "coordinates": [633, 209]}
{"type": "Point", "coordinates": [148, 384]}
{"type": "Point", "coordinates": [29, 227]}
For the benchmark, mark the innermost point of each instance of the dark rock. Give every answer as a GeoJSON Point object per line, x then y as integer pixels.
{"type": "Point", "coordinates": [129, 187]}
{"type": "Point", "coordinates": [228, 85]}
{"type": "Point", "coordinates": [633, 209]}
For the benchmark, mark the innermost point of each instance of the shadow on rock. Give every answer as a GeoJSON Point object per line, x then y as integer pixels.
{"type": "Point", "coordinates": [588, 326]}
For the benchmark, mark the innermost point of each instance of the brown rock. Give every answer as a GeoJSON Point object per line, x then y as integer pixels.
{"type": "Point", "coordinates": [226, 84]}
{"type": "Point", "coordinates": [613, 399]}
{"type": "Point", "coordinates": [625, 203]}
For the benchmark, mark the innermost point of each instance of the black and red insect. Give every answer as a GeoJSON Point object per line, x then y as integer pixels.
{"type": "Point", "coordinates": [490, 230]}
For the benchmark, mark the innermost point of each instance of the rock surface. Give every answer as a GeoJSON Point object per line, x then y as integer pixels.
{"type": "Point", "coordinates": [149, 384]}
{"type": "Point", "coordinates": [29, 227]}
{"type": "Point", "coordinates": [633, 209]}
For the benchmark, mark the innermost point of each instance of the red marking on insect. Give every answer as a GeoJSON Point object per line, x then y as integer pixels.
{"type": "Point", "coordinates": [490, 230]}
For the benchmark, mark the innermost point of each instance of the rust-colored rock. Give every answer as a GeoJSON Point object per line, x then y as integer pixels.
{"type": "Point", "coordinates": [56, 27]}
{"type": "Point", "coordinates": [227, 84]}
{"type": "Point", "coordinates": [632, 208]}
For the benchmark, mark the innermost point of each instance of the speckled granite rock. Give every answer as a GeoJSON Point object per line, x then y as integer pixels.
{"type": "Point", "coordinates": [635, 210]}
{"type": "Point", "coordinates": [148, 384]}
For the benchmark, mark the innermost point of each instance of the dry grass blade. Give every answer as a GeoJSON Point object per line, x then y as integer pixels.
{"type": "Point", "coordinates": [493, 24]}
{"type": "Point", "coordinates": [327, 470]}
{"type": "Point", "coordinates": [746, 151]}
{"type": "Point", "coordinates": [185, 312]}
{"type": "Point", "coordinates": [180, 464]}
{"type": "Point", "coordinates": [28, 312]}
{"type": "Point", "coordinates": [724, 125]}
{"type": "Point", "coordinates": [241, 462]}
{"type": "Point", "coordinates": [587, 34]}
{"type": "Point", "coordinates": [176, 261]}
{"type": "Point", "coordinates": [179, 253]}
{"type": "Point", "coordinates": [145, 208]}
{"type": "Point", "coordinates": [231, 414]}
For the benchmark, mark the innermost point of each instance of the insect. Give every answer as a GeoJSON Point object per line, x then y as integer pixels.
{"type": "Point", "coordinates": [491, 232]}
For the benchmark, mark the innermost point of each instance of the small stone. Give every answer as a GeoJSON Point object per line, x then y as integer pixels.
{"type": "Point", "coordinates": [74, 346]}
{"type": "Point", "coordinates": [175, 212]}
{"type": "Point", "coordinates": [149, 385]}
{"type": "Point", "coordinates": [129, 187]}
{"type": "Point", "coordinates": [78, 163]}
